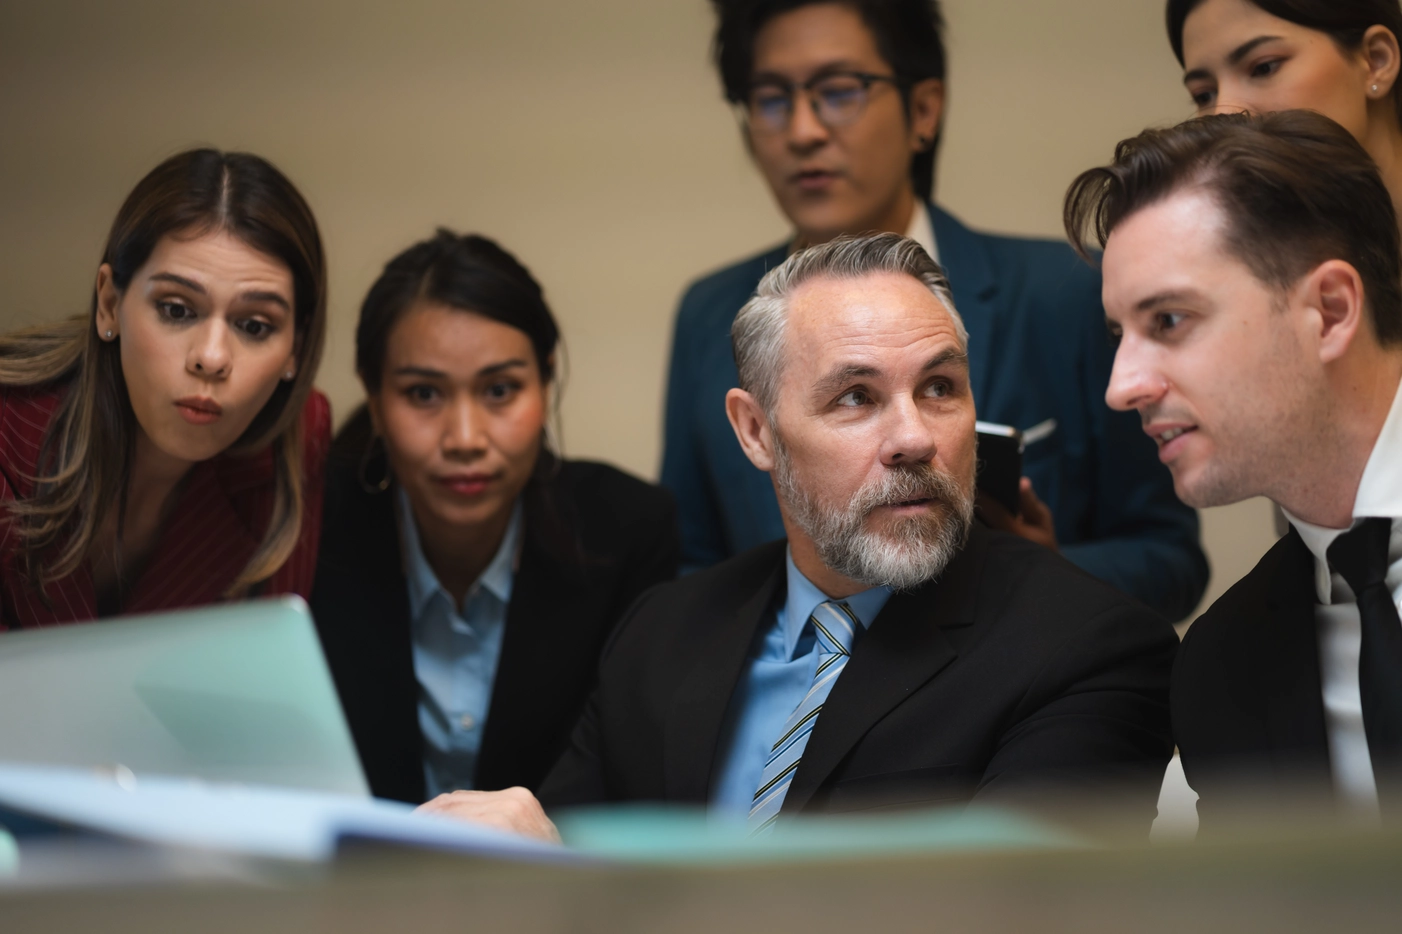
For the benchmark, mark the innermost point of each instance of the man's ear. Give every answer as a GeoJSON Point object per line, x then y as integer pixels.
{"type": "Point", "coordinates": [751, 428]}
{"type": "Point", "coordinates": [1335, 292]}
{"type": "Point", "coordinates": [108, 297]}
{"type": "Point", "coordinates": [926, 112]}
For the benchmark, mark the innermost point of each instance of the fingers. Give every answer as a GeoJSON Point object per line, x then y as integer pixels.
{"type": "Point", "coordinates": [515, 810]}
{"type": "Point", "coordinates": [1037, 520]}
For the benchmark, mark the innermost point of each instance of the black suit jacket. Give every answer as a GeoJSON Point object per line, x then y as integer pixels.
{"type": "Point", "coordinates": [1014, 672]}
{"type": "Point", "coordinates": [1248, 706]}
{"type": "Point", "coordinates": [564, 603]}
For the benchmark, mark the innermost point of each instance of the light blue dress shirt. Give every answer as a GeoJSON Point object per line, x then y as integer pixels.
{"type": "Point", "coordinates": [455, 652]}
{"type": "Point", "coordinates": [779, 675]}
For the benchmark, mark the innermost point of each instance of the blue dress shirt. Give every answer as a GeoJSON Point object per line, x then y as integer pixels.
{"type": "Point", "coordinates": [455, 652]}
{"type": "Point", "coordinates": [782, 662]}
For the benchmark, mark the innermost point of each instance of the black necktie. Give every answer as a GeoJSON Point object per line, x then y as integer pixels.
{"type": "Point", "coordinates": [1361, 557]}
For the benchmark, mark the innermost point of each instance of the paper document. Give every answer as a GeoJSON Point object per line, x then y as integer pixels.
{"type": "Point", "coordinates": [265, 822]}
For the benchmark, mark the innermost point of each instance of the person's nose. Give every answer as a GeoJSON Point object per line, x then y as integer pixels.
{"type": "Point", "coordinates": [806, 132]}
{"type": "Point", "coordinates": [210, 356]}
{"type": "Point", "coordinates": [463, 433]}
{"type": "Point", "coordinates": [910, 438]}
{"type": "Point", "coordinates": [1134, 382]}
{"type": "Point", "coordinates": [1230, 102]}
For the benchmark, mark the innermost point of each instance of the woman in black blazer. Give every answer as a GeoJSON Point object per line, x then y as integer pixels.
{"type": "Point", "coordinates": [468, 576]}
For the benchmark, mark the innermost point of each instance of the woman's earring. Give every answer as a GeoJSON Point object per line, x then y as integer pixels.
{"type": "Point", "coordinates": [109, 334]}
{"type": "Point", "coordinates": [1375, 89]}
{"type": "Point", "coordinates": [378, 486]}
{"type": "Point", "coordinates": [288, 375]}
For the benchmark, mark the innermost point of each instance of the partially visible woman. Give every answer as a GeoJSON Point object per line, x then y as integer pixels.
{"type": "Point", "coordinates": [167, 448]}
{"type": "Point", "coordinates": [1339, 58]}
{"type": "Point", "coordinates": [468, 575]}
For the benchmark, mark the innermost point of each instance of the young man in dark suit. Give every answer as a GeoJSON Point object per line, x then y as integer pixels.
{"type": "Point", "coordinates": [842, 106]}
{"type": "Point", "coordinates": [892, 652]}
{"type": "Point", "coordinates": [1252, 269]}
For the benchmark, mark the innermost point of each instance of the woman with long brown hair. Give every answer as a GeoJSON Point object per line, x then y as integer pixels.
{"type": "Point", "coordinates": [166, 449]}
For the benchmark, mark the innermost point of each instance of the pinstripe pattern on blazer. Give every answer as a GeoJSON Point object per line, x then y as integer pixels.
{"type": "Point", "coordinates": [221, 516]}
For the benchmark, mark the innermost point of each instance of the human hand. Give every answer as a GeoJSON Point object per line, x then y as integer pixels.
{"type": "Point", "coordinates": [514, 810]}
{"type": "Point", "coordinates": [1034, 523]}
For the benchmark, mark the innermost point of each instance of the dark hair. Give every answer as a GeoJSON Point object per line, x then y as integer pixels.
{"type": "Point", "coordinates": [1344, 21]}
{"type": "Point", "coordinates": [1295, 189]}
{"type": "Point", "coordinates": [85, 464]}
{"type": "Point", "coordinates": [908, 33]}
{"type": "Point", "coordinates": [468, 272]}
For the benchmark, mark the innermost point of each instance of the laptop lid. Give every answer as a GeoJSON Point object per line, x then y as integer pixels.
{"type": "Point", "coordinates": [238, 692]}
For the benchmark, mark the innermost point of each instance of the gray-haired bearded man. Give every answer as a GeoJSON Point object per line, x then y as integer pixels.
{"type": "Point", "coordinates": [892, 652]}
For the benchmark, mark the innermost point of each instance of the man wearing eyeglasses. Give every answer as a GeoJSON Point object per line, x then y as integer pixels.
{"type": "Point", "coordinates": [841, 106]}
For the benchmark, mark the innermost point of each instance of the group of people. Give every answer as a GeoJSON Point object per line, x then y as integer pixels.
{"type": "Point", "coordinates": [854, 626]}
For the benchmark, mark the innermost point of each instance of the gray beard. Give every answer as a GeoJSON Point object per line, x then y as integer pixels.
{"type": "Point", "coordinates": [908, 554]}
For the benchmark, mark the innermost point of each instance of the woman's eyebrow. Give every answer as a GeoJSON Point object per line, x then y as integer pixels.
{"type": "Point", "coordinates": [190, 284]}
{"type": "Point", "coordinates": [1234, 58]}
{"type": "Point", "coordinates": [270, 297]}
{"type": "Point", "coordinates": [498, 367]}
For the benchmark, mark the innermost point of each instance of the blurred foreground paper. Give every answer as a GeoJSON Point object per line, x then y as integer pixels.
{"type": "Point", "coordinates": [276, 823]}
{"type": "Point", "coordinates": [295, 824]}
{"type": "Point", "coordinates": [647, 834]}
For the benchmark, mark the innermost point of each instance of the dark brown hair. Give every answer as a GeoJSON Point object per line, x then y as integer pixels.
{"type": "Point", "coordinates": [1295, 189]}
{"type": "Point", "coordinates": [85, 463]}
{"type": "Point", "coordinates": [1344, 21]}
{"type": "Point", "coordinates": [909, 35]}
{"type": "Point", "coordinates": [468, 272]}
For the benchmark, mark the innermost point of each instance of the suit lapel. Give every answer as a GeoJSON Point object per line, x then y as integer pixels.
{"type": "Point", "coordinates": [540, 648]}
{"type": "Point", "coordinates": [904, 647]}
{"type": "Point", "coordinates": [974, 285]}
{"type": "Point", "coordinates": [1289, 682]}
{"type": "Point", "coordinates": [369, 641]}
{"type": "Point", "coordinates": [201, 552]}
{"type": "Point", "coordinates": [697, 715]}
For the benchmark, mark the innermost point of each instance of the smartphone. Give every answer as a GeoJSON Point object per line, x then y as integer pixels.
{"type": "Point", "coordinates": [1000, 464]}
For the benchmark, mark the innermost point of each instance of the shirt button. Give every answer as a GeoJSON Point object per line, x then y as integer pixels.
{"type": "Point", "coordinates": [467, 721]}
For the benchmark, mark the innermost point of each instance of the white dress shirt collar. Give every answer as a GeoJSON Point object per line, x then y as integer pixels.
{"type": "Point", "coordinates": [921, 230]}
{"type": "Point", "coordinates": [1379, 496]}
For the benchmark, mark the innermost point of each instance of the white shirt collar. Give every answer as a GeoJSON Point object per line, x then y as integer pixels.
{"type": "Point", "coordinates": [1379, 496]}
{"type": "Point", "coordinates": [922, 229]}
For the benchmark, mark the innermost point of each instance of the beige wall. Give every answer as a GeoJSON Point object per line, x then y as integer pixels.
{"type": "Point", "coordinates": [588, 137]}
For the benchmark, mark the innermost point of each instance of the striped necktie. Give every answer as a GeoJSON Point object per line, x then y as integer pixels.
{"type": "Point", "coordinates": [836, 628]}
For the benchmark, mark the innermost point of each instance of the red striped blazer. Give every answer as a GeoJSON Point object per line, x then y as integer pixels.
{"type": "Point", "coordinates": [213, 531]}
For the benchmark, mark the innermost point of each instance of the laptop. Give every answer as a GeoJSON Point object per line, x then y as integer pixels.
{"type": "Point", "coordinates": [238, 692]}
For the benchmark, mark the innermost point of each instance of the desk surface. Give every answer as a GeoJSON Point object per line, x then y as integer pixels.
{"type": "Point", "coordinates": [1338, 883]}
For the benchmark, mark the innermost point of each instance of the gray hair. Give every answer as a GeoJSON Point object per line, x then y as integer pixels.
{"type": "Point", "coordinates": [757, 336]}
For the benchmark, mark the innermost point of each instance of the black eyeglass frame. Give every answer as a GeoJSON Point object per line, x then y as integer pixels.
{"type": "Point", "coordinates": [745, 107]}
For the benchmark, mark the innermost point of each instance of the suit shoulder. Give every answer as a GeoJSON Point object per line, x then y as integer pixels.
{"type": "Point", "coordinates": [620, 495]}
{"type": "Point", "coordinates": [1040, 260]}
{"type": "Point", "coordinates": [1228, 620]}
{"type": "Point", "coordinates": [25, 414]}
{"type": "Point", "coordinates": [704, 594]}
{"type": "Point", "coordinates": [1042, 573]}
{"type": "Point", "coordinates": [716, 297]}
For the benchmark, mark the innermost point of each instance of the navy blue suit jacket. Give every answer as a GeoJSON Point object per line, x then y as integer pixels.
{"type": "Point", "coordinates": [1038, 350]}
